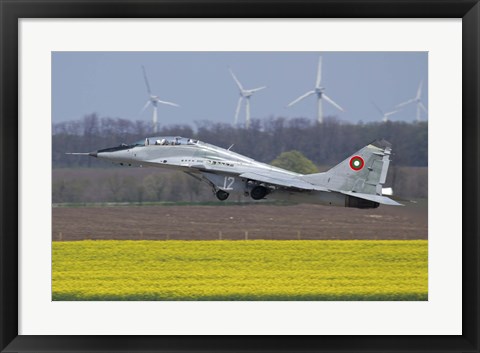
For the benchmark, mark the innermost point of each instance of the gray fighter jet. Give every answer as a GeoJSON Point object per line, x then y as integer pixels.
{"type": "Point", "coordinates": [355, 182]}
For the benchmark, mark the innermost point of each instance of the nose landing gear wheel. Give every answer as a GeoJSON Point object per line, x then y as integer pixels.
{"type": "Point", "coordinates": [258, 192]}
{"type": "Point", "coordinates": [222, 195]}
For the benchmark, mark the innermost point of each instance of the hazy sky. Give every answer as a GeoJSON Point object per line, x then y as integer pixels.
{"type": "Point", "coordinates": [111, 84]}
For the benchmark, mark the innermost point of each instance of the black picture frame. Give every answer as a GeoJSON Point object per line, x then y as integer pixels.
{"type": "Point", "coordinates": [12, 10]}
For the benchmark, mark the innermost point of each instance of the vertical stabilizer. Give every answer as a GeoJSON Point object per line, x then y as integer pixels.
{"type": "Point", "coordinates": [363, 172]}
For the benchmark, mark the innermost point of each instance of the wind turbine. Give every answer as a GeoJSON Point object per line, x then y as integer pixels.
{"type": "Point", "coordinates": [320, 92]}
{"type": "Point", "coordinates": [244, 94]}
{"type": "Point", "coordinates": [417, 101]}
{"type": "Point", "coordinates": [384, 115]}
{"type": "Point", "coordinates": [154, 101]}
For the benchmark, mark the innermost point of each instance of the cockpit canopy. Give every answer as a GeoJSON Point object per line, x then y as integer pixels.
{"type": "Point", "coordinates": [166, 141]}
{"type": "Point", "coordinates": [154, 141]}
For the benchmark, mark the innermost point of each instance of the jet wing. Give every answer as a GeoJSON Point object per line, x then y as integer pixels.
{"type": "Point", "coordinates": [375, 198]}
{"type": "Point", "coordinates": [278, 180]}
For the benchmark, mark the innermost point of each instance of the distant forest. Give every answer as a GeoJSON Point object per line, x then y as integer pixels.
{"type": "Point", "coordinates": [325, 144]}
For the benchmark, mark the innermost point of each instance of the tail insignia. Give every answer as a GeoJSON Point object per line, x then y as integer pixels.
{"type": "Point", "coordinates": [357, 163]}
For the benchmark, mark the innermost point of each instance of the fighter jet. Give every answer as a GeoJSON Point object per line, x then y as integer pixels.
{"type": "Point", "coordinates": [355, 182]}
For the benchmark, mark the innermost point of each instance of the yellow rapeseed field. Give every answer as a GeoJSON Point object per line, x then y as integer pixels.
{"type": "Point", "coordinates": [240, 270]}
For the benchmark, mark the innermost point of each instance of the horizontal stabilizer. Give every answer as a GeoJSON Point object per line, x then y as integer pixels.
{"type": "Point", "coordinates": [375, 198]}
{"type": "Point", "coordinates": [285, 182]}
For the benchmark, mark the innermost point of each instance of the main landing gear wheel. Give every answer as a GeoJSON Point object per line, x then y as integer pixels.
{"type": "Point", "coordinates": [222, 195]}
{"type": "Point", "coordinates": [258, 192]}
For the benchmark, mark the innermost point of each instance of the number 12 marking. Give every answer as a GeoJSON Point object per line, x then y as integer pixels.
{"type": "Point", "coordinates": [228, 182]}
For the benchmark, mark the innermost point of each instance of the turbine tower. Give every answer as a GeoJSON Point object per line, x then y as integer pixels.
{"type": "Point", "coordinates": [385, 115]}
{"type": "Point", "coordinates": [320, 92]}
{"type": "Point", "coordinates": [417, 101]}
{"type": "Point", "coordinates": [244, 94]}
{"type": "Point", "coordinates": [154, 101]}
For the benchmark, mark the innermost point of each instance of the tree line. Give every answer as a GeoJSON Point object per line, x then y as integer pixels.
{"type": "Point", "coordinates": [142, 185]}
{"type": "Point", "coordinates": [324, 144]}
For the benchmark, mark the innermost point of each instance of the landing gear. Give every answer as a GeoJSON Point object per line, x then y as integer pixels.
{"type": "Point", "coordinates": [222, 195]}
{"type": "Point", "coordinates": [258, 192]}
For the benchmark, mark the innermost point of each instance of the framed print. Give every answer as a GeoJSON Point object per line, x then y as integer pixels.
{"type": "Point", "coordinates": [91, 260]}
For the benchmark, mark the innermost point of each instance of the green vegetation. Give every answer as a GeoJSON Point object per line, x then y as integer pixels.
{"type": "Point", "coordinates": [152, 185]}
{"type": "Point", "coordinates": [295, 161]}
{"type": "Point", "coordinates": [168, 203]}
{"type": "Point", "coordinates": [240, 270]}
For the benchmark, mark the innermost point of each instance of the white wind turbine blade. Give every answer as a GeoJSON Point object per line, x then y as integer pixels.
{"type": "Point", "coordinates": [146, 81]}
{"type": "Point", "coordinates": [238, 110]}
{"type": "Point", "coordinates": [319, 73]}
{"type": "Point", "coordinates": [420, 104]}
{"type": "Point", "coordinates": [247, 112]}
{"type": "Point", "coordinates": [386, 115]}
{"type": "Point", "coordinates": [309, 93]}
{"type": "Point", "coordinates": [145, 107]}
{"type": "Point", "coordinates": [256, 89]}
{"type": "Point", "coordinates": [405, 103]}
{"type": "Point", "coordinates": [329, 100]}
{"type": "Point", "coordinates": [240, 87]}
{"type": "Point", "coordinates": [392, 112]}
{"type": "Point", "coordinates": [167, 103]}
{"type": "Point", "coordinates": [419, 91]}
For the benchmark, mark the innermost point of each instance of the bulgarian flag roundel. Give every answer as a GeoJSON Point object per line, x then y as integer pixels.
{"type": "Point", "coordinates": [357, 163]}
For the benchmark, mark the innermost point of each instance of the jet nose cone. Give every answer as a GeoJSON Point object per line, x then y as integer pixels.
{"type": "Point", "coordinates": [93, 154]}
